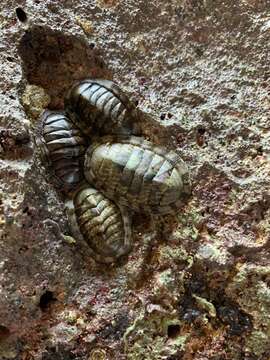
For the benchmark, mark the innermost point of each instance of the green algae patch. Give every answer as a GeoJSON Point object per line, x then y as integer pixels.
{"type": "Point", "coordinates": [35, 100]}
{"type": "Point", "coordinates": [155, 334]}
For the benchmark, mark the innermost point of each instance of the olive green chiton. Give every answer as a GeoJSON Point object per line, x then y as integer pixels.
{"type": "Point", "coordinates": [105, 226]}
{"type": "Point", "coordinates": [137, 173]}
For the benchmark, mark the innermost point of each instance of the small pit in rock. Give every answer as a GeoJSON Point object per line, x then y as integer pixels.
{"type": "Point", "coordinates": [201, 131]}
{"type": "Point", "coordinates": [4, 333]}
{"type": "Point", "coordinates": [21, 14]}
{"type": "Point", "coordinates": [173, 331]}
{"type": "Point", "coordinates": [200, 136]}
{"type": "Point", "coordinates": [46, 300]}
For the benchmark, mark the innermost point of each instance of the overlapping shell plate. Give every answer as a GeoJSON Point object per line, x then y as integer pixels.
{"type": "Point", "coordinates": [102, 108]}
{"type": "Point", "coordinates": [62, 147]}
{"type": "Point", "coordinates": [105, 226]}
{"type": "Point", "coordinates": [137, 173]}
{"type": "Point", "coordinates": [124, 173]}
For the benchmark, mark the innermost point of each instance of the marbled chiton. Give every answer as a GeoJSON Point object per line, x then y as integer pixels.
{"type": "Point", "coordinates": [137, 173]}
{"type": "Point", "coordinates": [124, 173]}
{"type": "Point", "coordinates": [105, 226]}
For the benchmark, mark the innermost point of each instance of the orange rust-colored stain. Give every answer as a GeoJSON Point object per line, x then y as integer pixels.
{"type": "Point", "coordinates": [210, 343]}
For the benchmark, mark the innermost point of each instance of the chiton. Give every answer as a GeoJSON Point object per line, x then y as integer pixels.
{"type": "Point", "coordinates": [102, 108]}
{"type": "Point", "coordinates": [62, 148]}
{"type": "Point", "coordinates": [138, 174]}
{"type": "Point", "coordinates": [105, 226]}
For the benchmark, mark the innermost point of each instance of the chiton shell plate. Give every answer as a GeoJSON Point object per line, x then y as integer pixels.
{"type": "Point", "coordinates": [62, 148]}
{"type": "Point", "coordinates": [102, 107]}
{"type": "Point", "coordinates": [137, 173]}
{"type": "Point", "coordinates": [105, 226]}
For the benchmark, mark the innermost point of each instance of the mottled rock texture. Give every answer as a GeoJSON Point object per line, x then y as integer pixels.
{"type": "Point", "coordinates": [196, 285]}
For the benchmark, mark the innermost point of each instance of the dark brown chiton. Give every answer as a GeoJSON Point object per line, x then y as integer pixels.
{"type": "Point", "coordinates": [62, 147]}
{"type": "Point", "coordinates": [102, 108]}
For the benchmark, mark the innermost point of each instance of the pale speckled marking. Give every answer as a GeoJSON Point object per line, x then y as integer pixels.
{"type": "Point", "coordinates": [105, 226]}
{"type": "Point", "coordinates": [138, 174]}
{"type": "Point", "coordinates": [62, 148]}
{"type": "Point", "coordinates": [102, 107]}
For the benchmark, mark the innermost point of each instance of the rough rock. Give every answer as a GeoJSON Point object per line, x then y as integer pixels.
{"type": "Point", "coordinates": [196, 285]}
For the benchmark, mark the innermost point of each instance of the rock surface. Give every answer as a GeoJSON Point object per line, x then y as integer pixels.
{"type": "Point", "coordinates": [196, 285]}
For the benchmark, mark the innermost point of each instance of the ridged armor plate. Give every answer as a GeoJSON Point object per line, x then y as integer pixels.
{"type": "Point", "coordinates": [62, 148]}
{"type": "Point", "coordinates": [102, 107]}
{"type": "Point", "coordinates": [137, 173]}
{"type": "Point", "coordinates": [104, 225]}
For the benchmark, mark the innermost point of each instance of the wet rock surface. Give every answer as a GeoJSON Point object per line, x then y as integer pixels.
{"type": "Point", "coordinates": [196, 285]}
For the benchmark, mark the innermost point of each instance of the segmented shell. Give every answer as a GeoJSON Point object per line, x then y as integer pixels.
{"type": "Point", "coordinates": [104, 226]}
{"type": "Point", "coordinates": [136, 173]}
{"type": "Point", "coordinates": [62, 148]}
{"type": "Point", "coordinates": [102, 107]}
